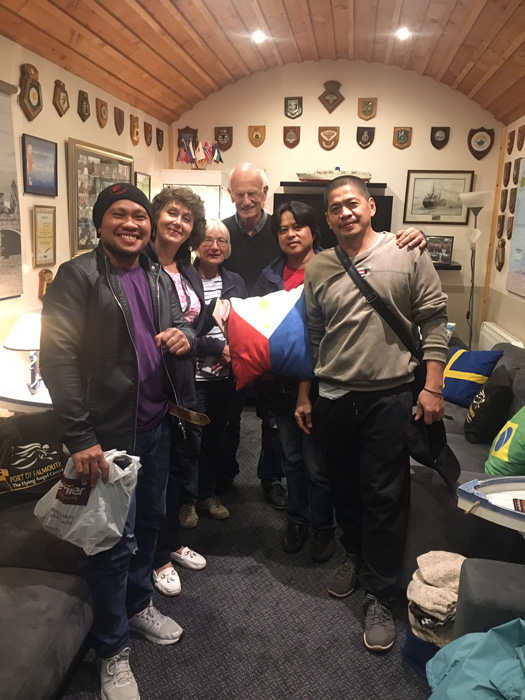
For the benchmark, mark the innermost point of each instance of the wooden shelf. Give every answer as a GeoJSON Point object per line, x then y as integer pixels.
{"type": "Point", "coordinates": [323, 183]}
{"type": "Point", "coordinates": [447, 266]}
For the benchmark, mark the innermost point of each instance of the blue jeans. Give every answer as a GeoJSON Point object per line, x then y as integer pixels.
{"type": "Point", "coordinates": [309, 494]}
{"type": "Point", "coordinates": [119, 577]}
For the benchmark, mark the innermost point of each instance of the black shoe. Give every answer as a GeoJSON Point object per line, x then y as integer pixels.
{"type": "Point", "coordinates": [343, 580]}
{"type": "Point", "coordinates": [276, 496]}
{"type": "Point", "coordinates": [294, 538]}
{"type": "Point", "coordinates": [322, 547]}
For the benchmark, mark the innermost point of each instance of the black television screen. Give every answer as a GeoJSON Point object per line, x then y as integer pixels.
{"type": "Point", "coordinates": [381, 221]}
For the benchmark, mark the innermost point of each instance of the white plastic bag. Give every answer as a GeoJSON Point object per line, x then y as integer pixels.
{"type": "Point", "coordinates": [91, 518]}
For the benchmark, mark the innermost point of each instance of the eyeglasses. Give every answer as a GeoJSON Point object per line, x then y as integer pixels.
{"type": "Point", "coordinates": [208, 242]}
{"type": "Point", "coordinates": [254, 194]}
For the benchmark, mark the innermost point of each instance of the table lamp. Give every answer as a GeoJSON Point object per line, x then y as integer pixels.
{"type": "Point", "coordinates": [474, 201]}
{"type": "Point", "coordinates": [25, 335]}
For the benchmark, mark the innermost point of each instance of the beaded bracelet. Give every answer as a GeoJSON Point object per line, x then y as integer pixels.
{"type": "Point", "coordinates": [434, 393]}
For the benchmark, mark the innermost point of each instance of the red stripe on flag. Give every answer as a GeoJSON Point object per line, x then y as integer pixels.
{"type": "Point", "coordinates": [249, 350]}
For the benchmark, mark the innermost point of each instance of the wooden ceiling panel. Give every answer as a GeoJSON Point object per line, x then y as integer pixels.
{"type": "Point", "coordinates": [164, 56]}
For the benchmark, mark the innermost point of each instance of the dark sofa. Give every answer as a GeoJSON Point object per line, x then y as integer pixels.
{"type": "Point", "coordinates": [436, 522]}
{"type": "Point", "coordinates": [45, 605]}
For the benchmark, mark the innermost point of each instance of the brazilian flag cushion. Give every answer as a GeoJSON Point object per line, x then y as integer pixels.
{"type": "Point", "coordinates": [507, 454]}
{"type": "Point", "coordinates": [466, 372]}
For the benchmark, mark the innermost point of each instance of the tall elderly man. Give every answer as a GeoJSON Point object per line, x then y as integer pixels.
{"type": "Point", "coordinates": [361, 417]}
{"type": "Point", "coordinates": [111, 333]}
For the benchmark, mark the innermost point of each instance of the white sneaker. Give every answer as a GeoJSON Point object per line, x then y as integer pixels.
{"type": "Point", "coordinates": [155, 626]}
{"type": "Point", "coordinates": [116, 678]}
{"type": "Point", "coordinates": [167, 581]}
{"type": "Point", "coordinates": [189, 559]}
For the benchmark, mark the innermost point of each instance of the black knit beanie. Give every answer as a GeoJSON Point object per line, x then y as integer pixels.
{"type": "Point", "coordinates": [122, 190]}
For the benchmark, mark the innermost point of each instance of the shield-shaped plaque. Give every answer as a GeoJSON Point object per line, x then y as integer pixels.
{"type": "Point", "coordinates": [510, 141]}
{"type": "Point", "coordinates": [331, 97]}
{"type": "Point", "coordinates": [510, 226]}
{"type": "Point", "coordinates": [521, 137]}
{"type": "Point", "coordinates": [187, 136]}
{"type": "Point", "coordinates": [30, 98]}
{"type": "Point", "coordinates": [224, 137]}
{"type": "Point", "coordinates": [367, 107]}
{"type": "Point", "coordinates": [160, 139]}
{"type": "Point", "coordinates": [256, 134]}
{"type": "Point", "coordinates": [506, 173]}
{"type": "Point", "coordinates": [328, 137]}
{"type": "Point", "coordinates": [516, 171]}
{"type": "Point", "coordinates": [60, 98]}
{"type": "Point", "coordinates": [402, 136]}
{"type": "Point", "coordinates": [365, 135]}
{"type": "Point", "coordinates": [293, 107]}
{"type": "Point", "coordinates": [148, 133]}
{"type": "Point", "coordinates": [512, 199]}
{"type": "Point", "coordinates": [119, 119]}
{"type": "Point", "coordinates": [500, 226]}
{"type": "Point", "coordinates": [83, 108]}
{"type": "Point", "coordinates": [503, 200]}
{"type": "Point", "coordinates": [102, 112]}
{"type": "Point", "coordinates": [134, 129]}
{"type": "Point", "coordinates": [291, 136]}
{"type": "Point", "coordinates": [500, 255]}
{"type": "Point", "coordinates": [439, 136]}
{"type": "Point", "coordinates": [480, 141]}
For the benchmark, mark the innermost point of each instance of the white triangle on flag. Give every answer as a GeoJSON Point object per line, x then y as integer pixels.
{"type": "Point", "coordinates": [266, 313]}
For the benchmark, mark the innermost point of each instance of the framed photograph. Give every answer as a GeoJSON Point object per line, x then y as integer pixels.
{"type": "Point", "coordinates": [90, 170]}
{"type": "Point", "coordinates": [39, 165]}
{"type": "Point", "coordinates": [432, 196]}
{"type": "Point", "coordinates": [44, 236]}
{"type": "Point", "coordinates": [440, 249]}
{"type": "Point", "coordinates": [143, 182]}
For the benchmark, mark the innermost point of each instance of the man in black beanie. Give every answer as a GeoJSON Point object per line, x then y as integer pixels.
{"type": "Point", "coordinates": [111, 327]}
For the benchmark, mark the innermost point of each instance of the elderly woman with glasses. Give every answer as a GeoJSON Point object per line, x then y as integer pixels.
{"type": "Point", "coordinates": [214, 380]}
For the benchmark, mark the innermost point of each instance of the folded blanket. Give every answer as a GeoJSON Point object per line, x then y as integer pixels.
{"type": "Point", "coordinates": [441, 569]}
{"type": "Point", "coordinates": [438, 602]}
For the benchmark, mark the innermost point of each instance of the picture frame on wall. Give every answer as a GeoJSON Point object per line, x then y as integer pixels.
{"type": "Point", "coordinates": [39, 166]}
{"type": "Point", "coordinates": [143, 182]}
{"type": "Point", "coordinates": [440, 249]}
{"type": "Point", "coordinates": [44, 236]}
{"type": "Point", "coordinates": [432, 196]}
{"type": "Point", "coordinates": [90, 170]}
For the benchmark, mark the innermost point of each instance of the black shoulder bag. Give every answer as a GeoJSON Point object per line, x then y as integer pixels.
{"type": "Point", "coordinates": [427, 443]}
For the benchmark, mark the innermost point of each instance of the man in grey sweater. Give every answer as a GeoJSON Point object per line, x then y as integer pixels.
{"type": "Point", "coordinates": [365, 372]}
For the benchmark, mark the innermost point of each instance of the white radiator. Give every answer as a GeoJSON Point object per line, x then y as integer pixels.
{"type": "Point", "coordinates": [490, 334]}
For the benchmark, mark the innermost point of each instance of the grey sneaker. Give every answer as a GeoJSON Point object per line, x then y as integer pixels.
{"type": "Point", "coordinates": [188, 516]}
{"type": "Point", "coordinates": [342, 581]}
{"type": "Point", "coordinates": [116, 678]}
{"type": "Point", "coordinates": [214, 507]}
{"type": "Point", "coordinates": [155, 626]}
{"type": "Point", "coordinates": [380, 631]}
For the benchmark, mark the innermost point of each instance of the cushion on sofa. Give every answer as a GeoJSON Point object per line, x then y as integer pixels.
{"type": "Point", "coordinates": [513, 357]}
{"type": "Point", "coordinates": [466, 372]}
{"type": "Point", "coordinates": [518, 388]}
{"type": "Point", "coordinates": [507, 454]}
{"type": "Point", "coordinates": [490, 407]}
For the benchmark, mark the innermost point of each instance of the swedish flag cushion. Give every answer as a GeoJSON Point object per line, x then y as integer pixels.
{"type": "Point", "coordinates": [466, 372]}
{"type": "Point", "coordinates": [507, 454]}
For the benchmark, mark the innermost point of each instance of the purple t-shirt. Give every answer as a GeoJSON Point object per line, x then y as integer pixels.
{"type": "Point", "coordinates": [153, 402]}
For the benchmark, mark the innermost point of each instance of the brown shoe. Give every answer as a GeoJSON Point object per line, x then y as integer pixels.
{"type": "Point", "coordinates": [214, 507]}
{"type": "Point", "coordinates": [188, 516]}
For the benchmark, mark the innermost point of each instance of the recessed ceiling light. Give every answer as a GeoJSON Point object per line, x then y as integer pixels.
{"type": "Point", "coordinates": [258, 37]}
{"type": "Point", "coordinates": [403, 33]}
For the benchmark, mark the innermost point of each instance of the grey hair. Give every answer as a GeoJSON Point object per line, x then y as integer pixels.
{"type": "Point", "coordinates": [254, 169]}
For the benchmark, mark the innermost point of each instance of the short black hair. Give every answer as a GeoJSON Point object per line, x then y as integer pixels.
{"type": "Point", "coordinates": [303, 214]}
{"type": "Point", "coordinates": [343, 180]}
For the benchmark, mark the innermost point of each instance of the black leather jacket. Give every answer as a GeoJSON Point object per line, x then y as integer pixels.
{"type": "Point", "coordinates": [88, 358]}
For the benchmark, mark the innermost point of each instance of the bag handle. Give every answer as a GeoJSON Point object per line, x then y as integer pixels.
{"type": "Point", "coordinates": [378, 304]}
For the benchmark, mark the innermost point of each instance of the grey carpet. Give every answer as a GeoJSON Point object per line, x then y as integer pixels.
{"type": "Point", "coordinates": [259, 624]}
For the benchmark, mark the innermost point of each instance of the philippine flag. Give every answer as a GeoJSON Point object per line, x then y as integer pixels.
{"type": "Point", "coordinates": [269, 334]}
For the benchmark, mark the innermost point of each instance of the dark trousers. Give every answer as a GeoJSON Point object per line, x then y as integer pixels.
{"type": "Point", "coordinates": [119, 577]}
{"type": "Point", "coordinates": [213, 398]}
{"type": "Point", "coordinates": [227, 459]}
{"type": "Point", "coordinates": [363, 437]}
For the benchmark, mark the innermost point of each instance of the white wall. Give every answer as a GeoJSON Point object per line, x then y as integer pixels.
{"type": "Point", "coordinates": [49, 125]}
{"type": "Point", "coordinates": [505, 308]}
{"type": "Point", "coordinates": [404, 99]}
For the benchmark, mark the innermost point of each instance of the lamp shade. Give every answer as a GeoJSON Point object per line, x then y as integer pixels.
{"type": "Point", "coordinates": [476, 199]}
{"type": "Point", "coordinates": [25, 334]}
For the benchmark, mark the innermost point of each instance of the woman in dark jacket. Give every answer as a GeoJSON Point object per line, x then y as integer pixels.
{"type": "Point", "coordinates": [214, 380]}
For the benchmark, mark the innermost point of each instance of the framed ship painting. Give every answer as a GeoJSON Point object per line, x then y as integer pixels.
{"type": "Point", "coordinates": [432, 196]}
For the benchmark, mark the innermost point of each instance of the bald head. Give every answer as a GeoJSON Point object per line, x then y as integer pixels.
{"type": "Point", "coordinates": [248, 189]}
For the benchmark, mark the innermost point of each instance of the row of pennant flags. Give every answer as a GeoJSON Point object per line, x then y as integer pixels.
{"type": "Point", "coordinates": [199, 155]}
